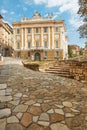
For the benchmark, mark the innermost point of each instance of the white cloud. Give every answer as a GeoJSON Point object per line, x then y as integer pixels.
{"type": "Point", "coordinates": [12, 12]}
{"type": "Point", "coordinates": [51, 3]}
{"type": "Point", "coordinates": [40, 1]}
{"type": "Point", "coordinates": [75, 21]}
{"type": "Point", "coordinates": [3, 11]}
{"type": "Point", "coordinates": [27, 2]}
{"type": "Point", "coordinates": [70, 6]}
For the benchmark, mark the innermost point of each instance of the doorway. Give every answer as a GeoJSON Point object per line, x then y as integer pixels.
{"type": "Point", "coordinates": [37, 56]}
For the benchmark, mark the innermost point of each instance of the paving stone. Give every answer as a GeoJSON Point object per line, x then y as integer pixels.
{"type": "Point", "coordinates": [19, 115]}
{"type": "Point", "coordinates": [34, 127]}
{"type": "Point", "coordinates": [44, 117]}
{"type": "Point", "coordinates": [36, 104]}
{"type": "Point", "coordinates": [47, 128]}
{"type": "Point", "coordinates": [3, 86]}
{"type": "Point", "coordinates": [5, 113]}
{"type": "Point", "coordinates": [26, 119]}
{"type": "Point", "coordinates": [2, 92]}
{"type": "Point", "coordinates": [2, 124]}
{"type": "Point", "coordinates": [35, 110]}
{"type": "Point", "coordinates": [50, 111]}
{"type": "Point", "coordinates": [77, 121]}
{"type": "Point", "coordinates": [67, 104]}
{"type": "Point", "coordinates": [69, 122]}
{"type": "Point", "coordinates": [2, 105]}
{"type": "Point", "coordinates": [45, 107]}
{"type": "Point", "coordinates": [30, 102]}
{"type": "Point", "coordinates": [35, 118]}
{"type": "Point", "coordinates": [15, 102]}
{"type": "Point", "coordinates": [52, 101]}
{"type": "Point", "coordinates": [8, 91]}
{"type": "Point", "coordinates": [5, 98]}
{"type": "Point", "coordinates": [84, 110]}
{"type": "Point", "coordinates": [59, 111]}
{"type": "Point", "coordinates": [20, 108]}
{"type": "Point", "coordinates": [18, 95]}
{"type": "Point", "coordinates": [43, 123]}
{"type": "Point", "coordinates": [14, 127]}
{"type": "Point", "coordinates": [86, 118]}
{"type": "Point", "coordinates": [69, 115]}
{"type": "Point", "coordinates": [25, 96]}
{"type": "Point", "coordinates": [59, 126]}
{"type": "Point", "coordinates": [59, 106]}
{"type": "Point", "coordinates": [76, 111]}
{"type": "Point", "coordinates": [56, 118]}
{"type": "Point", "coordinates": [12, 119]}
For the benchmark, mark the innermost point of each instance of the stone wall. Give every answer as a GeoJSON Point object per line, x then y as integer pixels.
{"type": "Point", "coordinates": [32, 66]}
{"type": "Point", "coordinates": [78, 70]}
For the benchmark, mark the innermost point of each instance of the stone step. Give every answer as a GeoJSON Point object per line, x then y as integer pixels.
{"type": "Point", "coordinates": [3, 78]}
{"type": "Point", "coordinates": [62, 75]}
{"type": "Point", "coordinates": [59, 67]}
{"type": "Point", "coordinates": [54, 69]}
{"type": "Point", "coordinates": [59, 72]}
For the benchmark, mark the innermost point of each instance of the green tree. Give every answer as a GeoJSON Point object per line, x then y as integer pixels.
{"type": "Point", "coordinates": [85, 44]}
{"type": "Point", "coordinates": [70, 52]}
{"type": "Point", "coordinates": [81, 52]}
{"type": "Point", "coordinates": [83, 13]}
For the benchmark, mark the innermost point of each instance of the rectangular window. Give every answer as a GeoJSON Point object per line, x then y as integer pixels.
{"type": "Point", "coordinates": [37, 44]}
{"type": "Point", "coordinates": [29, 44]}
{"type": "Point", "coordinates": [56, 29]}
{"type": "Point", "coordinates": [45, 29]}
{"type": "Point", "coordinates": [56, 44]}
{"type": "Point", "coordinates": [56, 54]}
{"type": "Point", "coordinates": [18, 45]}
{"type": "Point", "coordinates": [29, 37]}
{"type": "Point", "coordinates": [29, 30]}
{"type": "Point", "coordinates": [18, 31]}
{"type": "Point", "coordinates": [45, 44]}
{"type": "Point", "coordinates": [18, 37]}
{"type": "Point", "coordinates": [45, 54]}
{"type": "Point", "coordinates": [37, 30]}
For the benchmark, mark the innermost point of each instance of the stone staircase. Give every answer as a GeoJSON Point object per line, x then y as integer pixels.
{"type": "Point", "coordinates": [61, 69]}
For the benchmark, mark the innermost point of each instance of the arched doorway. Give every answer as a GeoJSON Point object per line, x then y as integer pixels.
{"type": "Point", "coordinates": [37, 56]}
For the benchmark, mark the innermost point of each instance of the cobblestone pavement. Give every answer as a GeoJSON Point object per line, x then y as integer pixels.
{"type": "Point", "coordinates": [39, 101]}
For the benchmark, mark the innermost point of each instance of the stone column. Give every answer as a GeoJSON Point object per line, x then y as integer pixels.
{"type": "Point", "coordinates": [42, 37]}
{"type": "Point", "coordinates": [49, 37]}
{"type": "Point", "coordinates": [52, 37]}
{"type": "Point", "coordinates": [14, 37]}
{"type": "Point", "coordinates": [22, 38]}
{"type": "Point", "coordinates": [32, 38]}
{"type": "Point", "coordinates": [26, 39]}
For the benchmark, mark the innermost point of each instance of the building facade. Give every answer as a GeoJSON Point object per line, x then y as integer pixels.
{"type": "Point", "coordinates": [75, 49]}
{"type": "Point", "coordinates": [40, 38]}
{"type": "Point", "coordinates": [6, 38]}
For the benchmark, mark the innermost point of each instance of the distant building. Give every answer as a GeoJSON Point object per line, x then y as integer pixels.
{"type": "Point", "coordinates": [6, 36]}
{"type": "Point", "coordinates": [40, 38]}
{"type": "Point", "coordinates": [75, 49]}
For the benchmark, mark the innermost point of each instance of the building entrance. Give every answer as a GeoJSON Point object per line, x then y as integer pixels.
{"type": "Point", "coordinates": [37, 56]}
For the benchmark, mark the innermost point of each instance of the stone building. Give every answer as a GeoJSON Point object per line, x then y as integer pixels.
{"type": "Point", "coordinates": [40, 38]}
{"type": "Point", "coordinates": [75, 49]}
{"type": "Point", "coordinates": [6, 36]}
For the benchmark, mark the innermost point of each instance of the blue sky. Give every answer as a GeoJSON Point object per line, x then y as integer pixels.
{"type": "Point", "coordinates": [14, 10]}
